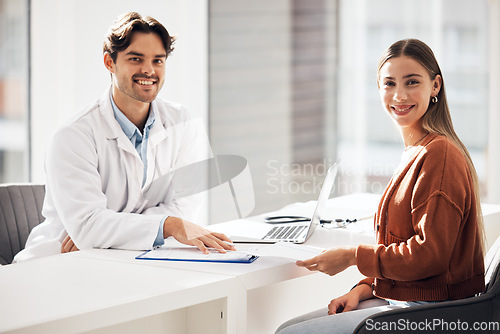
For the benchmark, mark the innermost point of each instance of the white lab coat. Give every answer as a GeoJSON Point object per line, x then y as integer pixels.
{"type": "Point", "coordinates": [94, 186]}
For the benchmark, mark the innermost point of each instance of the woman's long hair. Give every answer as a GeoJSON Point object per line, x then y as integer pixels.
{"type": "Point", "coordinates": [437, 118]}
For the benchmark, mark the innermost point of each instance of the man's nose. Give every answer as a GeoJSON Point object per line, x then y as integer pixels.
{"type": "Point", "coordinates": [148, 69]}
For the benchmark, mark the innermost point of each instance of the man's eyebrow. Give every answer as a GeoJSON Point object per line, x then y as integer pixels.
{"type": "Point", "coordinates": [133, 53]}
{"type": "Point", "coordinates": [138, 54]}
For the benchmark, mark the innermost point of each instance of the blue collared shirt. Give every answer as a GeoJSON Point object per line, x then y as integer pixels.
{"type": "Point", "coordinates": [140, 142]}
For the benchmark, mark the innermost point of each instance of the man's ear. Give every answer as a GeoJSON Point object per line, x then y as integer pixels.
{"type": "Point", "coordinates": [109, 63]}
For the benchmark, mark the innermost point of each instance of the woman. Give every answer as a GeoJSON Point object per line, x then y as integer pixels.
{"type": "Point", "coordinates": [430, 234]}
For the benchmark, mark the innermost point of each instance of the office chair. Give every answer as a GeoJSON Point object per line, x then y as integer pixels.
{"type": "Point", "coordinates": [481, 309]}
{"type": "Point", "coordinates": [20, 211]}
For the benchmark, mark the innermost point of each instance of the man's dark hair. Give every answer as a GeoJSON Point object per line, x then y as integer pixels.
{"type": "Point", "coordinates": [120, 33]}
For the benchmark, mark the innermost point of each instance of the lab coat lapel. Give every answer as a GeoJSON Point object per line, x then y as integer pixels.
{"type": "Point", "coordinates": [113, 131]}
{"type": "Point", "coordinates": [157, 135]}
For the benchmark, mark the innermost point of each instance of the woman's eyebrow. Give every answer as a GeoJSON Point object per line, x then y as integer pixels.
{"type": "Point", "coordinates": [411, 75]}
{"type": "Point", "coordinates": [405, 77]}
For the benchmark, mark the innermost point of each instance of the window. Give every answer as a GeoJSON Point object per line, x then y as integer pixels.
{"type": "Point", "coordinates": [13, 91]}
{"type": "Point", "coordinates": [293, 87]}
{"type": "Point", "coordinates": [369, 144]}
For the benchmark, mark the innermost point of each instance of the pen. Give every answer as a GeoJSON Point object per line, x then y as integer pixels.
{"type": "Point", "coordinates": [223, 250]}
{"type": "Point", "coordinates": [233, 247]}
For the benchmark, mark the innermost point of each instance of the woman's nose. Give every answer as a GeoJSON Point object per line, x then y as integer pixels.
{"type": "Point", "coordinates": [400, 95]}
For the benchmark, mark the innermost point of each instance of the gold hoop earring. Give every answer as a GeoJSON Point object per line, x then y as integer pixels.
{"type": "Point", "coordinates": [434, 99]}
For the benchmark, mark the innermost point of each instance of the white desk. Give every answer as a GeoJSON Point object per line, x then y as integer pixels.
{"type": "Point", "coordinates": [108, 291]}
{"type": "Point", "coordinates": [69, 293]}
{"type": "Point", "coordinates": [287, 290]}
{"type": "Point", "coordinates": [271, 290]}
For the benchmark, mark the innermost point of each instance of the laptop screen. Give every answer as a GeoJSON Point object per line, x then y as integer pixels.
{"type": "Point", "coordinates": [324, 194]}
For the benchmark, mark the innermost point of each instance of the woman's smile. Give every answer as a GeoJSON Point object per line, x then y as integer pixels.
{"type": "Point", "coordinates": [402, 110]}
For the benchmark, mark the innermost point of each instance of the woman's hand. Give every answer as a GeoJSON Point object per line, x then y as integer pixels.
{"type": "Point", "coordinates": [68, 245]}
{"type": "Point", "coordinates": [332, 261]}
{"type": "Point", "coordinates": [350, 300]}
{"type": "Point", "coordinates": [191, 234]}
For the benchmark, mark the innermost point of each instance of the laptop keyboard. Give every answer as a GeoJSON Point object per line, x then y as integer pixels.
{"type": "Point", "coordinates": [284, 232]}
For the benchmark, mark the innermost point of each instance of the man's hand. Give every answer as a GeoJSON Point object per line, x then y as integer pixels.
{"type": "Point", "coordinates": [195, 235]}
{"type": "Point", "coordinates": [68, 245]}
{"type": "Point", "coordinates": [332, 261]}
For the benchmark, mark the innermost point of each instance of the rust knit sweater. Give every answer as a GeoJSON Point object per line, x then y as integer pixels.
{"type": "Point", "coordinates": [427, 237]}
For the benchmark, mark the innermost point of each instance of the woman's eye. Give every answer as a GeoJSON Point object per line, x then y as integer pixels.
{"type": "Point", "coordinates": [412, 82]}
{"type": "Point", "coordinates": [389, 83]}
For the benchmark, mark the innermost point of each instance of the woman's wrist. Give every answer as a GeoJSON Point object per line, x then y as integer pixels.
{"type": "Point", "coordinates": [353, 256]}
{"type": "Point", "coordinates": [364, 291]}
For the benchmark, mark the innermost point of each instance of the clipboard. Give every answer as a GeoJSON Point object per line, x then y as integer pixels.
{"type": "Point", "coordinates": [193, 254]}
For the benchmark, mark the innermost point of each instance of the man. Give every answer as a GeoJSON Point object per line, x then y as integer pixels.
{"type": "Point", "coordinates": [101, 166]}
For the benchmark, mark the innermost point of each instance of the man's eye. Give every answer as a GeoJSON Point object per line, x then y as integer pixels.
{"type": "Point", "coordinates": [135, 59]}
{"type": "Point", "coordinates": [159, 61]}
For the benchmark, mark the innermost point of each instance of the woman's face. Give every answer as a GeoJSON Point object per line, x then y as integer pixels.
{"type": "Point", "coordinates": [405, 90]}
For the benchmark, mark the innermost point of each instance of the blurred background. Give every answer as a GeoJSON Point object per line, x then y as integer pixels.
{"type": "Point", "coordinates": [290, 85]}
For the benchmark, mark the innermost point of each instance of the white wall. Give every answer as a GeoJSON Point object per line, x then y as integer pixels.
{"type": "Point", "coordinates": [494, 112]}
{"type": "Point", "coordinates": [67, 69]}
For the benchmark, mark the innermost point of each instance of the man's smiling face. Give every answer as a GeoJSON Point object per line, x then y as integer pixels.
{"type": "Point", "coordinates": [139, 70]}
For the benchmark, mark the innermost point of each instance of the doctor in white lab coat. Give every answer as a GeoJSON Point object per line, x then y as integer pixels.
{"type": "Point", "coordinates": [102, 189]}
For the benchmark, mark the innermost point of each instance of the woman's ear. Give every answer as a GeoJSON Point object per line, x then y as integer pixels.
{"type": "Point", "coordinates": [436, 85]}
{"type": "Point", "coordinates": [109, 63]}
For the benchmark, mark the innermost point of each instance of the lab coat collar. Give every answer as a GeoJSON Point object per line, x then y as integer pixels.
{"type": "Point", "coordinates": [113, 130]}
{"type": "Point", "coordinates": [111, 127]}
{"type": "Point", "coordinates": [157, 132]}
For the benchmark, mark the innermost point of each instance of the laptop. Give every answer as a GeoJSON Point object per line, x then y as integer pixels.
{"type": "Point", "coordinates": [257, 232]}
